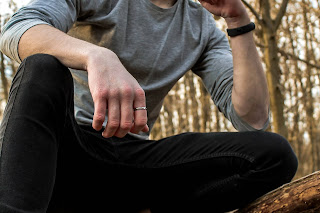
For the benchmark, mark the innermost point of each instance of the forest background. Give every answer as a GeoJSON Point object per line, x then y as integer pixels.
{"type": "Point", "coordinates": [288, 40]}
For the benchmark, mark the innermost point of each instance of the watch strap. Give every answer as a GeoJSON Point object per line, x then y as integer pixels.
{"type": "Point", "coordinates": [241, 30]}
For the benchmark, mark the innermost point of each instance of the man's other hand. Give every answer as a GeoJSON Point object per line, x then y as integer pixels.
{"type": "Point", "coordinates": [233, 11]}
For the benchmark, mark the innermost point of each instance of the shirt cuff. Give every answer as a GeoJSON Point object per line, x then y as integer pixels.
{"type": "Point", "coordinates": [11, 37]}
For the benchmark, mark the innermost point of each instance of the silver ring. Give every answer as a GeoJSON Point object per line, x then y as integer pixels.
{"type": "Point", "coordinates": [140, 108]}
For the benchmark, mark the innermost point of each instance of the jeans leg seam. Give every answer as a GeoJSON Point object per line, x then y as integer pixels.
{"type": "Point", "coordinates": [14, 98]}
{"type": "Point", "coordinates": [189, 160]}
{"type": "Point", "coordinates": [224, 154]}
{"type": "Point", "coordinates": [209, 187]}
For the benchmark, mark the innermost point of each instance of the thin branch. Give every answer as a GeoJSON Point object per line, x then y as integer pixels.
{"type": "Point", "coordinates": [266, 19]}
{"type": "Point", "coordinates": [253, 11]}
{"type": "Point", "coordinates": [292, 56]}
{"type": "Point", "coordinates": [289, 55]}
{"type": "Point", "coordinates": [281, 13]}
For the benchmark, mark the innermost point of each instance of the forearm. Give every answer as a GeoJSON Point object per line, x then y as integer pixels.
{"type": "Point", "coordinates": [120, 95]}
{"type": "Point", "coordinates": [45, 39]}
{"type": "Point", "coordinates": [250, 95]}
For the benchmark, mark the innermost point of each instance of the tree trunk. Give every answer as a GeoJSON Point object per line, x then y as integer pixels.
{"type": "Point", "coordinates": [194, 102]}
{"type": "Point", "coordinates": [168, 109]}
{"type": "Point", "coordinates": [273, 77]}
{"type": "Point", "coordinates": [271, 59]}
{"type": "Point", "coordinates": [300, 196]}
{"type": "Point", "coordinates": [309, 85]}
{"type": "Point", "coordinates": [205, 108]}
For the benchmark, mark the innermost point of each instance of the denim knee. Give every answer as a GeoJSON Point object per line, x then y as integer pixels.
{"type": "Point", "coordinates": [278, 157]}
{"type": "Point", "coordinates": [46, 70]}
{"type": "Point", "coordinates": [42, 86]}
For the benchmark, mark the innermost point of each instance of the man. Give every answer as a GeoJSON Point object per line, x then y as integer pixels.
{"type": "Point", "coordinates": [89, 151]}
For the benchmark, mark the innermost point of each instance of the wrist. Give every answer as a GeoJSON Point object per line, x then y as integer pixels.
{"type": "Point", "coordinates": [239, 21]}
{"type": "Point", "coordinates": [96, 55]}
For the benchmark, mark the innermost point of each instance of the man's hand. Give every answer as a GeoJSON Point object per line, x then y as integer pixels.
{"type": "Point", "coordinates": [111, 85]}
{"type": "Point", "coordinates": [115, 90]}
{"type": "Point", "coordinates": [233, 11]}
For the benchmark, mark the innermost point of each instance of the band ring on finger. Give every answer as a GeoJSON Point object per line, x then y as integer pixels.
{"type": "Point", "coordinates": [140, 108]}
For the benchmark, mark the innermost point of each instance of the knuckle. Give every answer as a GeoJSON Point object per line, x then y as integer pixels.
{"type": "Point", "coordinates": [126, 126]}
{"type": "Point", "coordinates": [126, 92]}
{"type": "Point", "coordinates": [113, 124]}
{"type": "Point", "coordinates": [99, 93]}
{"type": "Point", "coordinates": [141, 122]}
{"type": "Point", "coordinates": [114, 93]}
{"type": "Point", "coordinates": [95, 96]}
{"type": "Point", "coordinates": [106, 134]}
{"type": "Point", "coordinates": [99, 117]}
{"type": "Point", "coordinates": [140, 92]}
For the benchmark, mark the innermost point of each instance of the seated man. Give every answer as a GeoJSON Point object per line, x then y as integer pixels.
{"type": "Point", "coordinates": [78, 141]}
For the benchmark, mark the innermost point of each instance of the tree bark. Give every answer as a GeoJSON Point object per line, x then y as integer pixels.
{"type": "Point", "coordinates": [299, 196]}
{"type": "Point", "coordinates": [269, 29]}
{"type": "Point", "coordinates": [205, 108]}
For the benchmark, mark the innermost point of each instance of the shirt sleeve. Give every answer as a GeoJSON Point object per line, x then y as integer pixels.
{"type": "Point", "coordinates": [60, 14]}
{"type": "Point", "coordinates": [215, 67]}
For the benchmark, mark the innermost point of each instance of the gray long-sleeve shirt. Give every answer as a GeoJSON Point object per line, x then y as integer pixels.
{"type": "Point", "coordinates": [157, 46]}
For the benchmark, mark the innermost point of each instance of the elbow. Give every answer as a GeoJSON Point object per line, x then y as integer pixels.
{"type": "Point", "coordinates": [258, 119]}
{"type": "Point", "coordinates": [255, 116]}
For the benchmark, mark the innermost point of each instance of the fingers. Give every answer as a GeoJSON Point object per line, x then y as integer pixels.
{"type": "Point", "coordinates": [121, 116]}
{"type": "Point", "coordinates": [118, 97]}
{"type": "Point", "coordinates": [140, 116]}
{"type": "Point", "coordinates": [100, 107]}
{"type": "Point", "coordinates": [126, 112]}
{"type": "Point", "coordinates": [113, 117]}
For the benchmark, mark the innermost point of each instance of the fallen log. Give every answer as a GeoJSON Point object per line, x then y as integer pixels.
{"type": "Point", "coordinates": [299, 196]}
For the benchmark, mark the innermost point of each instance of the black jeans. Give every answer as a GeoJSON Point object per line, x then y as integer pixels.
{"type": "Point", "coordinates": [51, 164]}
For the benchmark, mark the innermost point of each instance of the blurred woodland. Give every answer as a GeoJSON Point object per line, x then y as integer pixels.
{"type": "Point", "coordinates": [288, 39]}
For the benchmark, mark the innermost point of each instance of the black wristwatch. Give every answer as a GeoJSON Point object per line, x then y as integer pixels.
{"type": "Point", "coordinates": [241, 30]}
